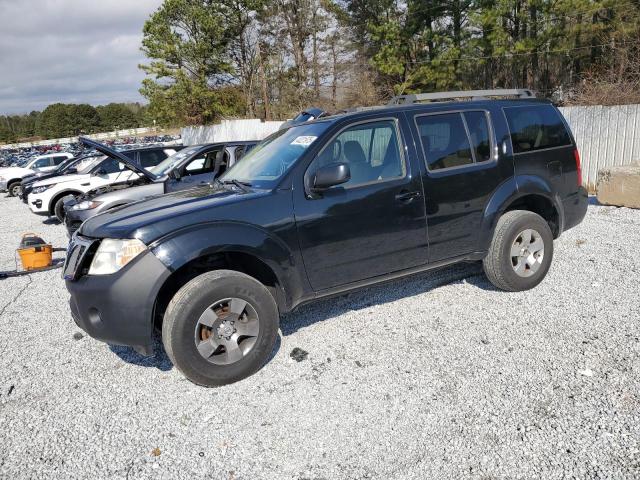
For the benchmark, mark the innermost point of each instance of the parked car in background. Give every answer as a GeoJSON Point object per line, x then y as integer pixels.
{"type": "Point", "coordinates": [11, 177]}
{"type": "Point", "coordinates": [47, 196]}
{"type": "Point", "coordinates": [194, 166]}
{"type": "Point", "coordinates": [69, 166]}
{"type": "Point", "coordinates": [323, 208]}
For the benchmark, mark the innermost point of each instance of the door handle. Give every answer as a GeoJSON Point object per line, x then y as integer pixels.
{"type": "Point", "coordinates": [406, 196]}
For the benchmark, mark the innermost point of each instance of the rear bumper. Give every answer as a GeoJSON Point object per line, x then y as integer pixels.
{"type": "Point", "coordinates": [575, 208]}
{"type": "Point", "coordinates": [118, 308]}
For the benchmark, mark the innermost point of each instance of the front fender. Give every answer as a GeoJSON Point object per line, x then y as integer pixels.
{"type": "Point", "coordinates": [181, 247]}
{"type": "Point", "coordinates": [507, 193]}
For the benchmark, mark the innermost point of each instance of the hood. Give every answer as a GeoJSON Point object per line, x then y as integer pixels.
{"type": "Point", "coordinates": [61, 179]}
{"type": "Point", "coordinates": [154, 217]}
{"type": "Point", "coordinates": [87, 142]}
{"type": "Point", "coordinates": [14, 172]}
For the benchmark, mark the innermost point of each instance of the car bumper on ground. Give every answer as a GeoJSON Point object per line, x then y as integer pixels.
{"type": "Point", "coordinates": [118, 308]}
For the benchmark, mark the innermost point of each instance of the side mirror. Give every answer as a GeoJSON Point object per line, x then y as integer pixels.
{"type": "Point", "coordinates": [100, 172]}
{"type": "Point", "coordinates": [330, 175]}
{"type": "Point", "coordinates": [72, 170]}
{"type": "Point", "coordinates": [175, 174]}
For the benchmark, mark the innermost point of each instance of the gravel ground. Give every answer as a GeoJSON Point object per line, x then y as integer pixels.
{"type": "Point", "coordinates": [437, 376]}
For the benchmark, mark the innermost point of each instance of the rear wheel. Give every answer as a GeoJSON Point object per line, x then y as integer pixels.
{"type": "Point", "coordinates": [521, 251]}
{"type": "Point", "coordinates": [15, 189]}
{"type": "Point", "coordinates": [220, 327]}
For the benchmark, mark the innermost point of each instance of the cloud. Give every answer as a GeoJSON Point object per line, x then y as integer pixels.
{"type": "Point", "coordinates": [70, 51]}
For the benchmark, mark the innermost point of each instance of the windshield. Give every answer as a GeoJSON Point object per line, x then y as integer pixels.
{"type": "Point", "coordinates": [263, 166]}
{"type": "Point", "coordinates": [85, 165]}
{"type": "Point", "coordinates": [170, 162]}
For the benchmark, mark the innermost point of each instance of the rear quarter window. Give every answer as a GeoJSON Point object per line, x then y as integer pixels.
{"type": "Point", "coordinates": [536, 127]}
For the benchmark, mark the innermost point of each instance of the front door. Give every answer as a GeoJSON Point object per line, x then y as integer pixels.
{"type": "Point", "coordinates": [372, 225]}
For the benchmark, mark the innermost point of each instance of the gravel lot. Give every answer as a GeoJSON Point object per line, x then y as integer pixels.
{"type": "Point", "coordinates": [437, 376]}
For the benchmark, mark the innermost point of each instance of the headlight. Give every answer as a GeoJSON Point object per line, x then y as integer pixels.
{"type": "Point", "coordinates": [86, 205]}
{"type": "Point", "coordinates": [41, 188]}
{"type": "Point", "coordinates": [113, 254]}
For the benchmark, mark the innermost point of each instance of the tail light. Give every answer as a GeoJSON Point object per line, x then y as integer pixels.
{"type": "Point", "coordinates": [576, 155]}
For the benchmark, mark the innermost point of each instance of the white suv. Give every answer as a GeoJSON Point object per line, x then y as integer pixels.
{"type": "Point", "coordinates": [48, 196]}
{"type": "Point", "coordinates": [10, 177]}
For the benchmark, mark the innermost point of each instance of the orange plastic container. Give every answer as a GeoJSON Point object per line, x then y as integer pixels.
{"type": "Point", "coordinates": [34, 252]}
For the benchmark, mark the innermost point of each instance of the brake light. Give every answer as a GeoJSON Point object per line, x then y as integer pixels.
{"type": "Point", "coordinates": [576, 155]}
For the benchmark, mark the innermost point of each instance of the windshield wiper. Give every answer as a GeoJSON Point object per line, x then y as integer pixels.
{"type": "Point", "coordinates": [244, 186]}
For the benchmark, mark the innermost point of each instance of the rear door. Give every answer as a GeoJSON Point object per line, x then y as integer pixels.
{"type": "Point", "coordinates": [463, 169]}
{"type": "Point", "coordinates": [375, 223]}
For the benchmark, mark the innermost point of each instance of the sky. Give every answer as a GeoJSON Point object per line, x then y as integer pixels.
{"type": "Point", "coordinates": [70, 51]}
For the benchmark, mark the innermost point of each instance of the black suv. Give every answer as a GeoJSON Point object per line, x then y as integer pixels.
{"type": "Point", "coordinates": [325, 207]}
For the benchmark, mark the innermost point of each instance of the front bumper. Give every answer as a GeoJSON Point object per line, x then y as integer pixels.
{"type": "Point", "coordinates": [118, 308]}
{"type": "Point", "coordinates": [37, 205]}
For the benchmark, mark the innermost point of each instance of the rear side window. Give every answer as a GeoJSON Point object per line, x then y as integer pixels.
{"type": "Point", "coordinates": [536, 127]}
{"type": "Point", "coordinates": [454, 139]}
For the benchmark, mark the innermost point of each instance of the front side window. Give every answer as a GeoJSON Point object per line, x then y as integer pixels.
{"type": "Point", "coordinates": [370, 149]}
{"type": "Point", "coordinates": [535, 127]}
{"type": "Point", "coordinates": [58, 160]}
{"type": "Point", "coordinates": [42, 162]}
{"type": "Point", "coordinates": [454, 139]}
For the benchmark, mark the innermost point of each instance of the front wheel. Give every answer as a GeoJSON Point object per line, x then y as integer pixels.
{"type": "Point", "coordinates": [58, 208]}
{"type": "Point", "coordinates": [220, 327]}
{"type": "Point", "coordinates": [520, 253]}
{"type": "Point", "coordinates": [15, 189]}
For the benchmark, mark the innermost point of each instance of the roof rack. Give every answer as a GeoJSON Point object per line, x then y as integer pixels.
{"type": "Point", "coordinates": [473, 94]}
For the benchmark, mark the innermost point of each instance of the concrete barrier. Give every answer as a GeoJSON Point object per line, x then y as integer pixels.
{"type": "Point", "coordinates": [619, 186]}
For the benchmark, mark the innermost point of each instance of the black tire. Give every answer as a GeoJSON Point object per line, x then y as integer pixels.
{"type": "Point", "coordinates": [58, 207]}
{"type": "Point", "coordinates": [14, 189]}
{"type": "Point", "coordinates": [500, 266]}
{"type": "Point", "coordinates": [186, 307]}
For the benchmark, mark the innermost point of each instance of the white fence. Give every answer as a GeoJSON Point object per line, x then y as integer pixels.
{"type": "Point", "coordinates": [130, 132]}
{"type": "Point", "coordinates": [606, 136]}
{"type": "Point", "coordinates": [253, 129]}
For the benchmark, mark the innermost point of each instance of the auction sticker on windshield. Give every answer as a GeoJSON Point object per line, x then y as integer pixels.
{"type": "Point", "coordinates": [304, 140]}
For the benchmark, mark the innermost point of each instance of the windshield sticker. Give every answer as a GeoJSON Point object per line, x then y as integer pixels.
{"type": "Point", "coordinates": [304, 140]}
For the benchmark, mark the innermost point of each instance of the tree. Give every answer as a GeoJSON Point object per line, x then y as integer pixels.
{"type": "Point", "coordinates": [117, 115]}
{"type": "Point", "coordinates": [187, 42]}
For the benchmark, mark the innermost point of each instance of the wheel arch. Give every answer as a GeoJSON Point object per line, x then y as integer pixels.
{"type": "Point", "coordinates": [189, 254]}
{"type": "Point", "coordinates": [525, 192]}
{"type": "Point", "coordinates": [57, 196]}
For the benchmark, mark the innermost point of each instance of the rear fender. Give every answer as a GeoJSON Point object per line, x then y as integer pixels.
{"type": "Point", "coordinates": [507, 193]}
